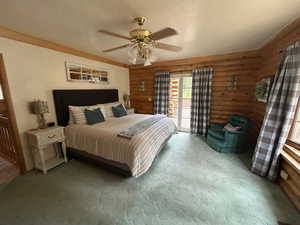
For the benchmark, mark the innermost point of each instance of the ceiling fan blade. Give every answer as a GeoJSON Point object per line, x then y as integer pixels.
{"type": "Point", "coordinates": [166, 32]}
{"type": "Point", "coordinates": [114, 34]}
{"type": "Point", "coordinates": [116, 48]}
{"type": "Point", "coordinates": [168, 47]}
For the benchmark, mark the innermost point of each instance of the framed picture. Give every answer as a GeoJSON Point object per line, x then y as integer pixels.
{"type": "Point", "coordinates": [83, 73]}
{"type": "Point", "coordinates": [263, 89]}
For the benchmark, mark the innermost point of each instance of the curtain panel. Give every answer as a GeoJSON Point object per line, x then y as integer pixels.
{"type": "Point", "coordinates": [279, 115]}
{"type": "Point", "coordinates": [162, 89]}
{"type": "Point", "coordinates": [201, 100]}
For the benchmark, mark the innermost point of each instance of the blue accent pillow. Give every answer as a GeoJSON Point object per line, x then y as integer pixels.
{"type": "Point", "coordinates": [119, 110]}
{"type": "Point", "coordinates": [93, 116]}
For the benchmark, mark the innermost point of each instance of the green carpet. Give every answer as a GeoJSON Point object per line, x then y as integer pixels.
{"type": "Point", "coordinates": [189, 183]}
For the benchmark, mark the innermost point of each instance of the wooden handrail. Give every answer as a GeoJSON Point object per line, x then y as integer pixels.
{"type": "Point", "coordinates": [7, 150]}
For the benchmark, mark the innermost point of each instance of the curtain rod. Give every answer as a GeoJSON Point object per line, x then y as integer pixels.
{"type": "Point", "coordinates": [284, 50]}
{"type": "Point", "coordinates": [182, 71]}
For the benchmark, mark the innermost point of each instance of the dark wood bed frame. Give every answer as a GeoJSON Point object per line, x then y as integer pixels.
{"type": "Point", "coordinates": [64, 98]}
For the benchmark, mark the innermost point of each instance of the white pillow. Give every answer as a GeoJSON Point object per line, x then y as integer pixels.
{"type": "Point", "coordinates": [108, 108]}
{"type": "Point", "coordinates": [78, 113]}
{"type": "Point", "coordinates": [103, 110]}
{"type": "Point", "coordinates": [71, 118]}
{"type": "Point", "coordinates": [229, 127]}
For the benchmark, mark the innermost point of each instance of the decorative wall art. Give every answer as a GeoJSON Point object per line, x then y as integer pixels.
{"type": "Point", "coordinates": [83, 73]}
{"type": "Point", "coordinates": [263, 88]}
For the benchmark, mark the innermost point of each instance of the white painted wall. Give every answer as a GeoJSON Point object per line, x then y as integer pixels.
{"type": "Point", "coordinates": [33, 72]}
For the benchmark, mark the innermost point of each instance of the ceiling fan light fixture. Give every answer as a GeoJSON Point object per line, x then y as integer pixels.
{"type": "Point", "coordinates": [143, 41]}
{"type": "Point", "coordinates": [132, 52]}
{"type": "Point", "coordinates": [147, 62]}
{"type": "Point", "coordinates": [132, 60]}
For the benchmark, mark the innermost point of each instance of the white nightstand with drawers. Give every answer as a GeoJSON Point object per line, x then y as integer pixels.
{"type": "Point", "coordinates": [40, 139]}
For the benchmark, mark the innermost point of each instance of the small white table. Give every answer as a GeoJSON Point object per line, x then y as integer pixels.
{"type": "Point", "coordinates": [40, 139]}
{"type": "Point", "coordinates": [130, 111]}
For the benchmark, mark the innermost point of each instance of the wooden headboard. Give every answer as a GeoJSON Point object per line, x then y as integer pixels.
{"type": "Point", "coordinates": [64, 98]}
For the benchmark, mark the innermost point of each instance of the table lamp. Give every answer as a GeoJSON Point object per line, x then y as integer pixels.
{"type": "Point", "coordinates": [40, 108]}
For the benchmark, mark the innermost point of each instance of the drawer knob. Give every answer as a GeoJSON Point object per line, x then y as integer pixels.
{"type": "Point", "coordinates": [51, 136]}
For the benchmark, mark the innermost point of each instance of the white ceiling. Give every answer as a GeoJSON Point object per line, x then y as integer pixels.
{"type": "Point", "coordinates": [205, 27]}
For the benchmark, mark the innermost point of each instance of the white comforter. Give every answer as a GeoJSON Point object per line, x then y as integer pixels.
{"type": "Point", "coordinates": [102, 140]}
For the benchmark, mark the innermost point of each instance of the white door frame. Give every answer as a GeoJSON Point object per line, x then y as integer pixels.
{"type": "Point", "coordinates": [180, 100]}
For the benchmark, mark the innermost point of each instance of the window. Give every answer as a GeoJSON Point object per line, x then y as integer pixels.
{"type": "Point", "coordinates": [1, 94]}
{"type": "Point", "coordinates": [295, 130]}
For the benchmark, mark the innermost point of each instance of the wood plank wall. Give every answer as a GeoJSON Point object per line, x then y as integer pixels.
{"type": "Point", "coordinates": [270, 60]}
{"type": "Point", "coordinates": [249, 67]}
{"type": "Point", "coordinates": [243, 65]}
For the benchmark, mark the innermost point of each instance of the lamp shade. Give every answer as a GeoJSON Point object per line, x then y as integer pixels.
{"type": "Point", "coordinates": [39, 107]}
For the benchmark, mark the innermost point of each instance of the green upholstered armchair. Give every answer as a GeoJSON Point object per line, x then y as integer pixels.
{"type": "Point", "coordinates": [223, 140]}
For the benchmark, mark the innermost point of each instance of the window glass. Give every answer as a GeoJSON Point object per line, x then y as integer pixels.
{"type": "Point", "coordinates": [295, 130]}
{"type": "Point", "coordinates": [1, 94]}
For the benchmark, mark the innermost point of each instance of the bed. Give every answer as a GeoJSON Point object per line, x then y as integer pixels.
{"type": "Point", "coordinates": [100, 142]}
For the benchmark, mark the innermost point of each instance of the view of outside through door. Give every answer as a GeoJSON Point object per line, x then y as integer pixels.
{"type": "Point", "coordinates": [180, 101]}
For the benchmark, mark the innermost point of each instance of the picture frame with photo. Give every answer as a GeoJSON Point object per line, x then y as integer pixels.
{"type": "Point", "coordinates": [83, 73]}
{"type": "Point", "coordinates": [263, 89]}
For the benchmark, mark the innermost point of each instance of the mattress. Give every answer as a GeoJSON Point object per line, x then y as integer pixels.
{"type": "Point", "coordinates": [102, 140]}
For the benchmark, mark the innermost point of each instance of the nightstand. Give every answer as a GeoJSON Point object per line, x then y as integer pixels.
{"type": "Point", "coordinates": [130, 111]}
{"type": "Point", "coordinates": [40, 139]}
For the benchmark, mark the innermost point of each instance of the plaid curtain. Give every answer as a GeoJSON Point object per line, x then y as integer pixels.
{"type": "Point", "coordinates": [162, 88]}
{"type": "Point", "coordinates": [279, 114]}
{"type": "Point", "coordinates": [201, 100]}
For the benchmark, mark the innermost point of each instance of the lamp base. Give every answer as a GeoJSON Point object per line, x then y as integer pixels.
{"type": "Point", "coordinates": [42, 122]}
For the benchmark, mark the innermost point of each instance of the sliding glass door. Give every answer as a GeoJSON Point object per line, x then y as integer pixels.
{"type": "Point", "coordinates": [180, 101]}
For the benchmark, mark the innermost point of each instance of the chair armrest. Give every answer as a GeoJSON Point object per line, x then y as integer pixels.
{"type": "Point", "coordinates": [235, 132]}
{"type": "Point", "coordinates": [217, 126]}
{"type": "Point", "coordinates": [234, 138]}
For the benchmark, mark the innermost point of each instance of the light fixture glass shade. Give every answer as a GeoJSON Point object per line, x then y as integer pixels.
{"type": "Point", "coordinates": [132, 54]}
{"type": "Point", "coordinates": [148, 56]}
{"type": "Point", "coordinates": [144, 53]}
{"type": "Point", "coordinates": [132, 60]}
{"type": "Point", "coordinates": [147, 62]}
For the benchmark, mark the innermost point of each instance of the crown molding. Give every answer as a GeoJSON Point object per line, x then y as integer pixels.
{"type": "Point", "coordinates": [17, 36]}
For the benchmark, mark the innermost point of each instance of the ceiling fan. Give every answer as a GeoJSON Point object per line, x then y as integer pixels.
{"type": "Point", "coordinates": [142, 41]}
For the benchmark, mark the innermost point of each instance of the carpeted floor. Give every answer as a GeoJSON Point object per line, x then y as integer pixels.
{"type": "Point", "coordinates": [189, 183]}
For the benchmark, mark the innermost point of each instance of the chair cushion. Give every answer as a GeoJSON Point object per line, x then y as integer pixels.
{"type": "Point", "coordinates": [219, 134]}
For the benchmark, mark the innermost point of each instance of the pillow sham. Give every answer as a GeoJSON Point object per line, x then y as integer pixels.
{"type": "Point", "coordinates": [229, 127]}
{"type": "Point", "coordinates": [119, 110]}
{"type": "Point", "coordinates": [93, 116]}
{"type": "Point", "coordinates": [78, 113]}
{"type": "Point", "coordinates": [108, 108]}
{"type": "Point", "coordinates": [71, 118]}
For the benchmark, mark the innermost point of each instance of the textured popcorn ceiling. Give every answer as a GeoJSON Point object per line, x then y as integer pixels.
{"type": "Point", "coordinates": [205, 27]}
